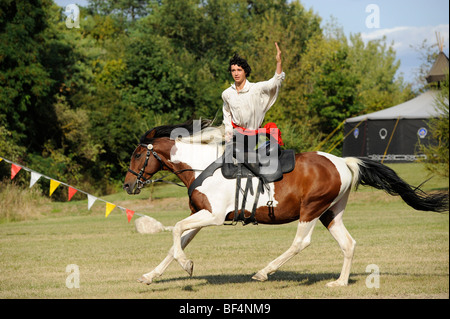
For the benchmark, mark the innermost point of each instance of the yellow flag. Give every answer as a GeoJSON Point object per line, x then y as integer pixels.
{"type": "Point", "coordinates": [109, 208]}
{"type": "Point", "coordinates": [53, 186]}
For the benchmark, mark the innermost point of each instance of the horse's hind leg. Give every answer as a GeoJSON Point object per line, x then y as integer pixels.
{"type": "Point", "coordinates": [332, 219]}
{"type": "Point", "coordinates": [159, 270]}
{"type": "Point", "coordinates": [301, 241]}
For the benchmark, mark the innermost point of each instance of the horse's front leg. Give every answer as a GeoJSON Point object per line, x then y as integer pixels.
{"type": "Point", "coordinates": [159, 270]}
{"type": "Point", "coordinates": [200, 219]}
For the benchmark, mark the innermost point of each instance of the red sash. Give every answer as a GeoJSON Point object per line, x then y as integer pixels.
{"type": "Point", "coordinates": [269, 127]}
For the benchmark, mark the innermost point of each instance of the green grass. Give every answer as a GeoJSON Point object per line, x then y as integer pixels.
{"type": "Point", "coordinates": [411, 249]}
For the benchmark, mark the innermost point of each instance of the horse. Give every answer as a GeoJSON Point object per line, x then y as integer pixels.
{"type": "Point", "coordinates": [317, 189]}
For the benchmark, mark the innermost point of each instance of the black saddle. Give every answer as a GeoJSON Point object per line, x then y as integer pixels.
{"type": "Point", "coordinates": [268, 163]}
{"type": "Point", "coordinates": [269, 171]}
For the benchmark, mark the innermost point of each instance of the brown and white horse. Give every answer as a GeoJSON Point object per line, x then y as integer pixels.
{"type": "Point", "coordinates": [317, 189]}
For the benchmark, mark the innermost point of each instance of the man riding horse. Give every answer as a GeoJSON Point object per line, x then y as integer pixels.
{"type": "Point", "coordinates": [245, 104]}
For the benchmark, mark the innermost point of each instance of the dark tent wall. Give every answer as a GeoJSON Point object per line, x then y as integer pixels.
{"type": "Point", "coordinates": [388, 140]}
{"type": "Point", "coordinates": [393, 134]}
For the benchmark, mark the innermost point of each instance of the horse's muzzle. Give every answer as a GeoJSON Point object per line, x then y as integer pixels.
{"type": "Point", "coordinates": [132, 188]}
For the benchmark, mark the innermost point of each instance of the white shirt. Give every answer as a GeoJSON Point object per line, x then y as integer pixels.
{"type": "Point", "coordinates": [248, 107]}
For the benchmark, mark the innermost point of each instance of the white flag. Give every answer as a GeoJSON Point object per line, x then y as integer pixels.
{"type": "Point", "coordinates": [34, 178]}
{"type": "Point", "coordinates": [91, 200]}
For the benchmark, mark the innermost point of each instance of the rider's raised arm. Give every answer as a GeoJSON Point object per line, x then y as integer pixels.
{"type": "Point", "coordinates": [278, 58]}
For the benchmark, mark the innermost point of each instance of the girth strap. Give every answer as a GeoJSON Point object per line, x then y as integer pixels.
{"type": "Point", "coordinates": [248, 187]}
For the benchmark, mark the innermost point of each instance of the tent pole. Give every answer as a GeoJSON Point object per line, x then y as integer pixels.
{"type": "Point", "coordinates": [390, 139]}
{"type": "Point", "coordinates": [333, 146]}
{"type": "Point", "coordinates": [317, 148]}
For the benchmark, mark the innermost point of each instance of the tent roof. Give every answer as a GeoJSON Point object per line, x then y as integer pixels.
{"type": "Point", "coordinates": [420, 107]}
{"type": "Point", "coordinates": [439, 69]}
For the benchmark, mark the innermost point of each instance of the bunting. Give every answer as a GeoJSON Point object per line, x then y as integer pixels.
{"type": "Point", "coordinates": [91, 200]}
{"type": "Point", "coordinates": [130, 214]}
{"type": "Point", "coordinates": [72, 192]}
{"type": "Point", "coordinates": [34, 178]}
{"type": "Point", "coordinates": [14, 170]}
{"type": "Point", "coordinates": [109, 208]}
{"type": "Point", "coordinates": [54, 184]}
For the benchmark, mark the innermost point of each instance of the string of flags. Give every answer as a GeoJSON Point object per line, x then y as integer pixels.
{"type": "Point", "coordinates": [54, 184]}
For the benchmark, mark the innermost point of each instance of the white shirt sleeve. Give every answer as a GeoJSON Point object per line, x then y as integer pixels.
{"type": "Point", "coordinates": [270, 89]}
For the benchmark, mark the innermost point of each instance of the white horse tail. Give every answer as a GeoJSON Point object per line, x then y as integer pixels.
{"type": "Point", "coordinates": [353, 164]}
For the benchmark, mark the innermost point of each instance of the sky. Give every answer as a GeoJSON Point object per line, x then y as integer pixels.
{"type": "Point", "coordinates": [406, 22]}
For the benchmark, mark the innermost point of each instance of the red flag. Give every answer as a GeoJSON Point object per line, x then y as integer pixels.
{"type": "Point", "coordinates": [130, 214]}
{"type": "Point", "coordinates": [72, 192]}
{"type": "Point", "coordinates": [14, 170]}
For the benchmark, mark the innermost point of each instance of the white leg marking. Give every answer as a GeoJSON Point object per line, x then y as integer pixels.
{"type": "Point", "coordinates": [347, 244]}
{"type": "Point", "coordinates": [200, 219]}
{"type": "Point", "coordinates": [345, 241]}
{"type": "Point", "coordinates": [301, 241]}
{"type": "Point", "coordinates": [159, 270]}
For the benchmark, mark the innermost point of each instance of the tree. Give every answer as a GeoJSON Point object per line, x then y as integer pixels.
{"type": "Point", "coordinates": [26, 85]}
{"type": "Point", "coordinates": [437, 153]}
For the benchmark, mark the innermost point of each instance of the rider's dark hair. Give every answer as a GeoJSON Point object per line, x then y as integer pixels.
{"type": "Point", "coordinates": [237, 60]}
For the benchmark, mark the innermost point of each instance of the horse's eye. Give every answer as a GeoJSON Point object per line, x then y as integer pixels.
{"type": "Point", "coordinates": [137, 156]}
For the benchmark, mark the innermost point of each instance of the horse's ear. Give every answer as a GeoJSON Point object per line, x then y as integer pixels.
{"type": "Point", "coordinates": [150, 134]}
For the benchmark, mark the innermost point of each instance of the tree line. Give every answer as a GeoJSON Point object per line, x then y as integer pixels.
{"type": "Point", "coordinates": [74, 101]}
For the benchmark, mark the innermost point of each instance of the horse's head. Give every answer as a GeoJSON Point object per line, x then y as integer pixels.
{"type": "Point", "coordinates": [145, 162]}
{"type": "Point", "coordinates": [155, 150]}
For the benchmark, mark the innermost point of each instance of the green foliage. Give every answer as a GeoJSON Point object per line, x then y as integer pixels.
{"type": "Point", "coordinates": [25, 83]}
{"type": "Point", "coordinates": [74, 102]}
{"type": "Point", "coordinates": [437, 161]}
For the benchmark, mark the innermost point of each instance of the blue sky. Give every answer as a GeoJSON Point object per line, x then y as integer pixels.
{"type": "Point", "coordinates": [406, 22]}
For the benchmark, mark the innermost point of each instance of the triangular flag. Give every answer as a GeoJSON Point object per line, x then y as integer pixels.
{"type": "Point", "coordinates": [91, 201]}
{"type": "Point", "coordinates": [130, 214]}
{"type": "Point", "coordinates": [14, 170]}
{"type": "Point", "coordinates": [34, 178]}
{"type": "Point", "coordinates": [72, 192]}
{"type": "Point", "coordinates": [53, 185]}
{"type": "Point", "coordinates": [109, 208]}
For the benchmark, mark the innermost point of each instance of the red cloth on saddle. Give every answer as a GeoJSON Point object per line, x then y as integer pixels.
{"type": "Point", "coordinates": [270, 128]}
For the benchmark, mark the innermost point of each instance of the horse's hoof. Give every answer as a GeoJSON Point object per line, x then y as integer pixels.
{"type": "Point", "coordinates": [336, 283]}
{"type": "Point", "coordinates": [144, 280]}
{"type": "Point", "coordinates": [260, 277]}
{"type": "Point", "coordinates": [189, 267]}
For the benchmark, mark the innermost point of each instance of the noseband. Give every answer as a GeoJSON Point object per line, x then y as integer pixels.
{"type": "Point", "coordinates": [141, 180]}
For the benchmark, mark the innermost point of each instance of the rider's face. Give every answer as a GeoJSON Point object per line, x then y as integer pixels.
{"type": "Point", "coordinates": [238, 74]}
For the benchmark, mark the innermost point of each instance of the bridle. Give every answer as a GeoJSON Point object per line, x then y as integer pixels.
{"type": "Point", "coordinates": [142, 181]}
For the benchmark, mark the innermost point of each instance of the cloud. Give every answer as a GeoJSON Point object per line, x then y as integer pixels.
{"type": "Point", "coordinates": [404, 37]}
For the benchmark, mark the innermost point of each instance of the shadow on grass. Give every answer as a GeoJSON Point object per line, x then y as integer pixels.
{"type": "Point", "coordinates": [279, 276]}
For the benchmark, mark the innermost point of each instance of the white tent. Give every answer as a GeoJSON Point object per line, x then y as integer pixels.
{"type": "Point", "coordinates": [420, 107]}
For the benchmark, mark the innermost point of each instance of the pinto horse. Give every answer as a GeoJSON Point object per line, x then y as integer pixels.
{"type": "Point", "coordinates": [317, 189]}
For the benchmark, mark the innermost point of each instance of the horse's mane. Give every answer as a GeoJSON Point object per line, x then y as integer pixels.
{"type": "Point", "coordinates": [200, 131]}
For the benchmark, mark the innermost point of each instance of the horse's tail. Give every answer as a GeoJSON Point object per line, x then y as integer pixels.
{"type": "Point", "coordinates": [370, 173]}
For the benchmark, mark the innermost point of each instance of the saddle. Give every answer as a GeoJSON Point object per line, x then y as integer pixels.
{"type": "Point", "coordinates": [242, 159]}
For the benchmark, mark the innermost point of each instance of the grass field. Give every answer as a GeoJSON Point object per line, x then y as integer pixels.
{"type": "Point", "coordinates": [410, 248]}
